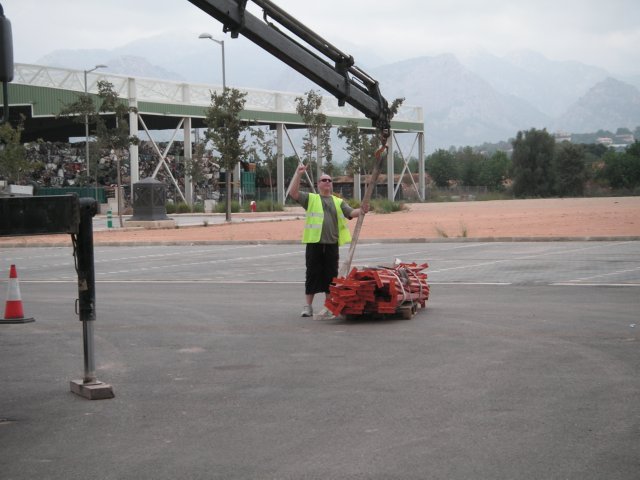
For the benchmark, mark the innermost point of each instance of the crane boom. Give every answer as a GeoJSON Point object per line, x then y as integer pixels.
{"type": "Point", "coordinates": [317, 60]}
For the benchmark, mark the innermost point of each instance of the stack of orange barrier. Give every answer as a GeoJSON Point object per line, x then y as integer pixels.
{"type": "Point", "coordinates": [379, 290]}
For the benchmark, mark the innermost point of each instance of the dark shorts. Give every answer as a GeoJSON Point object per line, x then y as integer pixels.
{"type": "Point", "coordinates": [322, 267]}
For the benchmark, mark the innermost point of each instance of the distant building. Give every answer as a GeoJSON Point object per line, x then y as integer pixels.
{"type": "Point", "coordinates": [562, 136]}
{"type": "Point", "coordinates": [607, 141]}
{"type": "Point", "coordinates": [626, 138]}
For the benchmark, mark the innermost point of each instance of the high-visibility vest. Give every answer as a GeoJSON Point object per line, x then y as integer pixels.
{"type": "Point", "coordinates": [314, 217]}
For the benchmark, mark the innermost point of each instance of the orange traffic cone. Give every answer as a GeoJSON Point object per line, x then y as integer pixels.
{"type": "Point", "coordinates": [13, 312]}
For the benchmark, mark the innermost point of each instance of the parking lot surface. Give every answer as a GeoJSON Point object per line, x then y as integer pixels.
{"type": "Point", "coordinates": [524, 365]}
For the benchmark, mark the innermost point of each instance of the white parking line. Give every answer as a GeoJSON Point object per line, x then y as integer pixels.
{"type": "Point", "coordinates": [618, 272]}
{"type": "Point", "coordinates": [568, 284]}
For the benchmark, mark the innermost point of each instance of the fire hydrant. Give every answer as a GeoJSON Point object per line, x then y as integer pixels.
{"type": "Point", "coordinates": [253, 205]}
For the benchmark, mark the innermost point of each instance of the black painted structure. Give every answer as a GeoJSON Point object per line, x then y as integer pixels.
{"type": "Point", "coordinates": [149, 200]}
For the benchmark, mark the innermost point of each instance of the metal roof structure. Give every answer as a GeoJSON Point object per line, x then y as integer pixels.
{"type": "Point", "coordinates": [46, 89]}
{"type": "Point", "coordinates": [40, 92]}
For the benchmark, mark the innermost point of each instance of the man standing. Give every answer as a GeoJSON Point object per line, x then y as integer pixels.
{"type": "Point", "coordinates": [325, 230]}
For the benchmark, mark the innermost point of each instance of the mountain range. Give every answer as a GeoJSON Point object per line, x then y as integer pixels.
{"type": "Point", "coordinates": [467, 100]}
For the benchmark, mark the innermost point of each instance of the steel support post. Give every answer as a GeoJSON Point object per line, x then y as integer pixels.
{"type": "Point", "coordinates": [390, 169]}
{"type": "Point", "coordinates": [89, 387]}
{"type": "Point", "coordinates": [280, 164]}
{"type": "Point", "coordinates": [133, 132]}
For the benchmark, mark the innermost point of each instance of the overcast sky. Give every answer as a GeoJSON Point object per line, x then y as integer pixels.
{"type": "Point", "coordinates": [596, 32]}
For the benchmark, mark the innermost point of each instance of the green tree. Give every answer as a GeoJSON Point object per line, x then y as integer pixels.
{"type": "Point", "coordinates": [569, 170]}
{"type": "Point", "coordinates": [615, 170]}
{"type": "Point", "coordinates": [440, 166]}
{"type": "Point", "coordinates": [494, 170]}
{"type": "Point", "coordinates": [195, 168]}
{"type": "Point", "coordinates": [594, 151]}
{"type": "Point", "coordinates": [360, 146]}
{"type": "Point", "coordinates": [633, 152]}
{"type": "Point", "coordinates": [267, 154]}
{"type": "Point", "coordinates": [532, 163]}
{"type": "Point", "coordinates": [318, 134]}
{"type": "Point", "coordinates": [338, 170]}
{"type": "Point", "coordinates": [290, 167]}
{"type": "Point", "coordinates": [84, 108]}
{"type": "Point", "coordinates": [113, 137]}
{"type": "Point", "coordinates": [109, 123]}
{"type": "Point", "coordinates": [622, 169]}
{"type": "Point", "coordinates": [468, 166]}
{"type": "Point", "coordinates": [14, 167]}
{"type": "Point", "coordinates": [225, 130]}
{"type": "Point", "coordinates": [634, 149]}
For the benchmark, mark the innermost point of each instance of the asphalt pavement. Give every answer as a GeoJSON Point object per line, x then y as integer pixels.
{"type": "Point", "coordinates": [524, 365]}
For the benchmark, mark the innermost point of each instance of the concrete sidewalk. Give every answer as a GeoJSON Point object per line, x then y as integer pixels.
{"type": "Point", "coordinates": [100, 222]}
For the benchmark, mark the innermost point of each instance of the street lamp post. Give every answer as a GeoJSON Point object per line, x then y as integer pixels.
{"type": "Point", "coordinates": [86, 126]}
{"type": "Point", "coordinates": [221, 43]}
{"type": "Point", "coordinates": [224, 89]}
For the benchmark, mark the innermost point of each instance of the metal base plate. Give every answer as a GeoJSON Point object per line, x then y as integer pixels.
{"type": "Point", "coordinates": [92, 391]}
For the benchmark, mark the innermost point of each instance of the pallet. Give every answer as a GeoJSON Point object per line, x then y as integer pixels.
{"type": "Point", "coordinates": [397, 290]}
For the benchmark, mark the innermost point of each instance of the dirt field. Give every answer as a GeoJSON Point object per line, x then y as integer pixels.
{"type": "Point", "coordinates": [540, 218]}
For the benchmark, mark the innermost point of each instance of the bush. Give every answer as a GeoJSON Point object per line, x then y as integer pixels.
{"type": "Point", "coordinates": [386, 206]}
{"type": "Point", "coordinates": [183, 208]}
{"type": "Point", "coordinates": [221, 207]}
{"type": "Point", "coordinates": [268, 206]}
{"type": "Point", "coordinates": [493, 195]}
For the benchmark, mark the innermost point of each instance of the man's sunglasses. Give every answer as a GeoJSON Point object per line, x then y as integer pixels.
{"type": "Point", "coordinates": [326, 180]}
